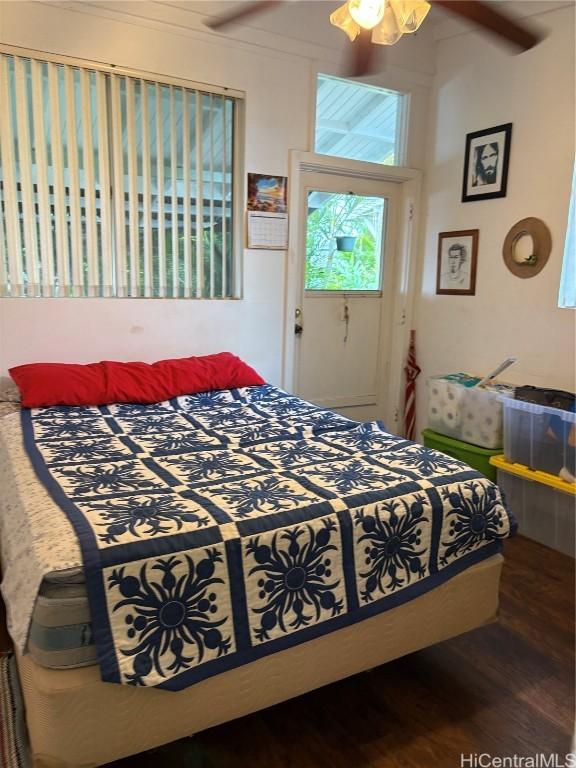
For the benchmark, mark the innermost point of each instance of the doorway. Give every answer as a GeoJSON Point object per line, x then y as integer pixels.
{"type": "Point", "coordinates": [350, 276]}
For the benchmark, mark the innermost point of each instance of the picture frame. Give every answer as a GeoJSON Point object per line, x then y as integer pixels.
{"type": "Point", "coordinates": [486, 160]}
{"type": "Point", "coordinates": [457, 261]}
{"type": "Point", "coordinates": [267, 193]}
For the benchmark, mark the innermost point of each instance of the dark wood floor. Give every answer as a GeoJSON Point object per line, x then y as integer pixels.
{"type": "Point", "coordinates": [504, 689]}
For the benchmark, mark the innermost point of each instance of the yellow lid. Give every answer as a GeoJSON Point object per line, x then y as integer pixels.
{"type": "Point", "coordinates": [533, 474]}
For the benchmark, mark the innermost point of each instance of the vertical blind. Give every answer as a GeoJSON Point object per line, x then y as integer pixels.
{"type": "Point", "coordinates": [113, 185]}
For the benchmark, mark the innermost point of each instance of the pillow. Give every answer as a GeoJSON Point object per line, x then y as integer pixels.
{"type": "Point", "coordinates": [45, 384]}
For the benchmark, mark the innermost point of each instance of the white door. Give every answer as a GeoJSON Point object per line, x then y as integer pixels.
{"type": "Point", "coordinates": [344, 316]}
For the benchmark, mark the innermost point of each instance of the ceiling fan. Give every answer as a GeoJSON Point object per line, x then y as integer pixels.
{"type": "Point", "coordinates": [385, 21]}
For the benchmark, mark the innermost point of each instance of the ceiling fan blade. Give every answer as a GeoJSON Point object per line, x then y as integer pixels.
{"type": "Point", "coordinates": [241, 12]}
{"type": "Point", "coordinates": [495, 21]}
{"type": "Point", "coordinates": [362, 56]}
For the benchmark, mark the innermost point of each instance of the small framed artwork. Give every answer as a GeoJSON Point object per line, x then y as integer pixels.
{"type": "Point", "coordinates": [267, 193]}
{"type": "Point", "coordinates": [486, 163]}
{"type": "Point", "coordinates": [457, 256]}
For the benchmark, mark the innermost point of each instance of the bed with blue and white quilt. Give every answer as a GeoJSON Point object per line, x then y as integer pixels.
{"type": "Point", "coordinates": [218, 528]}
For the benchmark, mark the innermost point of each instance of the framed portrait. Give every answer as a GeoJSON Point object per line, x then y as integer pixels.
{"type": "Point", "coordinates": [486, 163]}
{"type": "Point", "coordinates": [457, 256]}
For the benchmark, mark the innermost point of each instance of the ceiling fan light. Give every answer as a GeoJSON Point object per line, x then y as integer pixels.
{"type": "Point", "coordinates": [366, 13]}
{"type": "Point", "coordinates": [341, 18]}
{"type": "Point", "coordinates": [387, 32]}
{"type": "Point", "coordinates": [409, 14]}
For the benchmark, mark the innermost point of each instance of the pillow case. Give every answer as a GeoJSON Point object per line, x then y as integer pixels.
{"type": "Point", "coordinates": [45, 384]}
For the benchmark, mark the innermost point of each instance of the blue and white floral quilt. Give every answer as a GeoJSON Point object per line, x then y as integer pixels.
{"type": "Point", "coordinates": [221, 527]}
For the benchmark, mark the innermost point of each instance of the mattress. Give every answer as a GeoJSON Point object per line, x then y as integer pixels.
{"type": "Point", "coordinates": [61, 630]}
{"type": "Point", "coordinates": [68, 711]}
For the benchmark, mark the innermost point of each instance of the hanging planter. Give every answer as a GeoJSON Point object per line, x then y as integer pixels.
{"type": "Point", "coordinates": [345, 243]}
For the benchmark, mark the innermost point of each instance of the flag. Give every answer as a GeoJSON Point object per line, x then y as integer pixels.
{"type": "Point", "coordinates": [412, 371]}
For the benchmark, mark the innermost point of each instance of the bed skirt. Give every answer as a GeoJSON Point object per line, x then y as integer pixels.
{"type": "Point", "coordinates": [77, 721]}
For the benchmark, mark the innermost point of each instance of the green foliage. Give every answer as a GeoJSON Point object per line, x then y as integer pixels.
{"type": "Point", "coordinates": [358, 270]}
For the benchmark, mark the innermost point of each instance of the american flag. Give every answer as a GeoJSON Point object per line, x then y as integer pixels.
{"type": "Point", "coordinates": [412, 371]}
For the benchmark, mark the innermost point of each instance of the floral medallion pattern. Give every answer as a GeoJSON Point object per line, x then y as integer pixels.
{"type": "Point", "coordinates": [353, 475]}
{"type": "Point", "coordinates": [106, 479]}
{"type": "Point", "coordinates": [365, 437]}
{"type": "Point", "coordinates": [286, 454]}
{"type": "Point", "coordinates": [474, 517]}
{"type": "Point", "coordinates": [424, 461]}
{"type": "Point", "coordinates": [203, 466]}
{"type": "Point", "coordinates": [258, 496]}
{"type": "Point", "coordinates": [297, 575]}
{"type": "Point", "coordinates": [132, 518]}
{"type": "Point", "coordinates": [176, 611]}
{"type": "Point", "coordinates": [76, 451]}
{"type": "Point", "coordinates": [392, 540]}
{"type": "Point", "coordinates": [221, 526]}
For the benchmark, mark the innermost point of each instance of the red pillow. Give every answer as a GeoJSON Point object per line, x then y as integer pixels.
{"type": "Point", "coordinates": [44, 384]}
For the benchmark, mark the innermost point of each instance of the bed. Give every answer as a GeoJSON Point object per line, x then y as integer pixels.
{"type": "Point", "coordinates": [332, 547]}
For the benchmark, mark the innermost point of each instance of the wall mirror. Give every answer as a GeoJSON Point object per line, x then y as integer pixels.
{"type": "Point", "coordinates": [527, 247]}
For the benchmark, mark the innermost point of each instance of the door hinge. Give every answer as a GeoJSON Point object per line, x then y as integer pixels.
{"type": "Point", "coordinates": [410, 211]}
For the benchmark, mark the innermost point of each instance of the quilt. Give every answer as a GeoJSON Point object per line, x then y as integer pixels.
{"type": "Point", "coordinates": [221, 527]}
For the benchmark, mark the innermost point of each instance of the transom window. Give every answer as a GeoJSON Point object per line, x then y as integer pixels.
{"type": "Point", "coordinates": [359, 121]}
{"type": "Point", "coordinates": [114, 184]}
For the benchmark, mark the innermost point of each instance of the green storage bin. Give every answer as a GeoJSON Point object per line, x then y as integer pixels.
{"type": "Point", "coordinates": [476, 457]}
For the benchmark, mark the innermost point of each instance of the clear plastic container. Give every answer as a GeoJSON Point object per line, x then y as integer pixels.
{"type": "Point", "coordinates": [544, 513]}
{"type": "Point", "coordinates": [466, 413]}
{"type": "Point", "coordinates": [539, 437]}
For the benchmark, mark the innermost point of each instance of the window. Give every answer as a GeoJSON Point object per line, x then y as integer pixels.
{"type": "Point", "coordinates": [567, 298]}
{"type": "Point", "coordinates": [344, 242]}
{"type": "Point", "coordinates": [114, 184]}
{"type": "Point", "coordinates": [359, 121]}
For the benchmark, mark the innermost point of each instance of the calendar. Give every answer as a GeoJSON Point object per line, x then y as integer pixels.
{"type": "Point", "coordinates": [267, 230]}
{"type": "Point", "coordinates": [267, 220]}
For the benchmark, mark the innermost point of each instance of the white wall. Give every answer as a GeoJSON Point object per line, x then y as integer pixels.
{"type": "Point", "coordinates": [479, 85]}
{"type": "Point", "coordinates": [277, 72]}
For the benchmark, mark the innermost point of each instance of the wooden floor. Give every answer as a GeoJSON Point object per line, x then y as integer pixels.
{"type": "Point", "coordinates": [504, 689]}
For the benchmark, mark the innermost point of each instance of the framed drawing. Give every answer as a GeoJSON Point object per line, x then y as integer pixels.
{"type": "Point", "coordinates": [457, 256]}
{"type": "Point", "coordinates": [486, 163]}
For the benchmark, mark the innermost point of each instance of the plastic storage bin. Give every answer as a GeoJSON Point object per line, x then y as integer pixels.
{"type": "Point", "coordinates": [539, 437]}
{"type": "Point", "coordinates": [543, 505]}
{"type": "Point", "coordinates": [477, 458]}
{"type": "Point", "coordinates": [465, 412]}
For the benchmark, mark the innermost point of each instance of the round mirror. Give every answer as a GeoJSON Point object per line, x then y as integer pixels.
{"type": "Point", "coordinates": [527, 247]}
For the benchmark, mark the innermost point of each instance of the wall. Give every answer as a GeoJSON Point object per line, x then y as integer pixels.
{"type": "Point", "coordinates": [277, 72]}
{"type": "Point", "coordinates": [479, 85]}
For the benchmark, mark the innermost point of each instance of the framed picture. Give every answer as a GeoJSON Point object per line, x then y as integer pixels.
{"type": "Point", "coordinates": [457, 256]}
{"type": "Point", "coordinates": [267, 193]}
{"type": "Point", "coordinates": [486, 163]}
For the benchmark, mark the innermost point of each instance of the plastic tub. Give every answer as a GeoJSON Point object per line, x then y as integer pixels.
{"type": "Point", "coordinates": [539, 437]}
{"type": "Point", "coordinates": [465, 412]}
{"type": "Point", "coordinates": [476, 457]}
{"type": "Point", "coordinates": [543, 505]}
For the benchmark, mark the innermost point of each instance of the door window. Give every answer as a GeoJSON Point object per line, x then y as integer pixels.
{"type": "Point", "coordinates": [344, 235]}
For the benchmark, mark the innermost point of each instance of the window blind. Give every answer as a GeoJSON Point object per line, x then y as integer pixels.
{"type": "Point", "coordinates": [113, 185]}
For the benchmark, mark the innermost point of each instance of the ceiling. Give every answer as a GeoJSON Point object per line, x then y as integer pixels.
{"type": "Point", "coordinates": [289, 17]}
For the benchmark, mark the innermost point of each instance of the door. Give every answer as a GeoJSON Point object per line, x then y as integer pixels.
{"type": "Point", "coordinates": [344, 316]}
